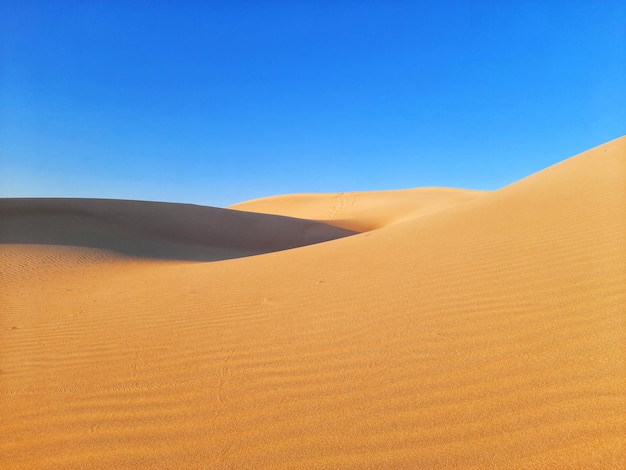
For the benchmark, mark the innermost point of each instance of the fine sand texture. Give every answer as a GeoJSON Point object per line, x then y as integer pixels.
{"type": "Point", "coordinates": [423, 328]}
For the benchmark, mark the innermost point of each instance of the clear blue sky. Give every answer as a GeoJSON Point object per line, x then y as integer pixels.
{"type": "Point", "coordinates": [213, 102]}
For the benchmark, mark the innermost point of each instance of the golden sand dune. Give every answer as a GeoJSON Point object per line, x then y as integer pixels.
{"type": "Point", "coordinates": [361, 211]}
{"type": "Point", "coordinates": [488, 332]}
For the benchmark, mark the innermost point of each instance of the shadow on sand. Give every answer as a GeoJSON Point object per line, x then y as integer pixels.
{"type": "Point", "coordinates": [156, 230]}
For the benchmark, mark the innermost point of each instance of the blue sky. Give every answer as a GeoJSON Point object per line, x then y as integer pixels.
{"type": "Point", "coordinates": [218, 102]}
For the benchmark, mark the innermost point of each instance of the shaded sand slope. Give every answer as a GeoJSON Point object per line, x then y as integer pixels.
{"type": "Point", "coordinates": [154, 229]}
{"type": "Point", "coordinates": [487, 335]}
{"type": "Point", "coordinates": [361, 211]}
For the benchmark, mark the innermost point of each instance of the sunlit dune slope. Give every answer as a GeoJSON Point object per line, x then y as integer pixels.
{"type": "Point", "coordinates": [489, 334]}
{"type": "Point", "coordinates": [361, 211]}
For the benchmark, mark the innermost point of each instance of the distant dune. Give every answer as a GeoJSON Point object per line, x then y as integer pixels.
{"type": "Point", "coordinates": [420, 328]}
{"type": "Point", "coordinates": [361, 211]}
{"type": "Point", "coordinates": [154, 229]}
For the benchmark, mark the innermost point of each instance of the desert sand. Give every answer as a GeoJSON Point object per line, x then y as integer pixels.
{"type": "Point", "coordinates": [420, 328]}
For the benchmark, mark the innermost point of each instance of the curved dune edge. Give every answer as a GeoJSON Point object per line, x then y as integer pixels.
{"type": "Point", "coordinates": [362, 211]}
{"type": "Point", "coordinates": [155, 229]}
{"type": "Point", "coordinates": [487, 335]}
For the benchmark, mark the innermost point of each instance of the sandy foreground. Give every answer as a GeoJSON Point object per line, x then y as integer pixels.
{"type": "Point", "coordinates": [422, 328]}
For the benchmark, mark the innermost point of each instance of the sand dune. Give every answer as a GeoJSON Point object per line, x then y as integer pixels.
{"type": "Point", "coordinates": [469, 330]}
{"type": "Point", "coordinates": [361, 211]}
{"type": "Point", "coordinates": [157, 230]}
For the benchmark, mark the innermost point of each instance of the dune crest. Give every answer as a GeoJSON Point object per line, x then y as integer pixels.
{"type": "Point", "coordinates": [361, 211]}
{"type": "Point", "coordinates": [487, 332]}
